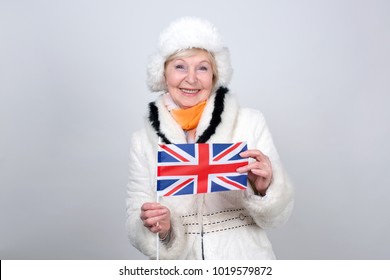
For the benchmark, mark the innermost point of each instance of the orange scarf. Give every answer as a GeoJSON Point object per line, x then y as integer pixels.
{"type": "Point", "coordinates": [188, 118]}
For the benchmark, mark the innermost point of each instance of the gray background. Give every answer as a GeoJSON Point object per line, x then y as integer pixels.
{"type": "Point", "coordinates": [72, 90]}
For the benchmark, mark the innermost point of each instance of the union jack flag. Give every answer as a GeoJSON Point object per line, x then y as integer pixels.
{"type": "Point", "coordinates": [200, 168]}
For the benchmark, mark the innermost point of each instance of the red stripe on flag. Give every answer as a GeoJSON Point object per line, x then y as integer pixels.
{"type": "Point", "coordinates": [204, 168]}
{"type": "Point", "coordinates": [178, 187]}
{"type": "Point", "coordinates": [227, 151]}
{"type": "Point", "coordinates": [201, 169]}
{"type": "Point", "coordinates": [231, 182]}
{"type": "Point", "coordinates": [174, 153]}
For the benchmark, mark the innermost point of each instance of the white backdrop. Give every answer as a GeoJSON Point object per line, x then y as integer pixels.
{"type": "Point", "coordinates": [72, 90]}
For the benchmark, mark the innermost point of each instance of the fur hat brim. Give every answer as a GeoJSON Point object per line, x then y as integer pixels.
{"type": "Point", "coordinates": [187, 33]}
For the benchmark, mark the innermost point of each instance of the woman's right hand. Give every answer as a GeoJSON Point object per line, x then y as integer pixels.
{"type": "Point", "coordinates": [156, 218]}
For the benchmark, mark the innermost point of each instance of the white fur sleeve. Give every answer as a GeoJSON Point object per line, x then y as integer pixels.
{"type": "Point", "coordinates": [275, 207]}
{"type": "Point", "coordinates": [141, 189]}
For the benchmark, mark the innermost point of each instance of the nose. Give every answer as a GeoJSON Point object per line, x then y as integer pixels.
{"type": "Point", "coordinates": [191, 76]}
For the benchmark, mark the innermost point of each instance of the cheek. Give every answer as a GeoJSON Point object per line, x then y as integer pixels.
{"type": "Point", "coordinates": [172, 79]}
{"type": "Point", "coordinates": [208, 81]}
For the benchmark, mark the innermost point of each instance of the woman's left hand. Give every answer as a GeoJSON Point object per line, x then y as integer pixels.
{"type": "Point", "coordinates": [259, 172]}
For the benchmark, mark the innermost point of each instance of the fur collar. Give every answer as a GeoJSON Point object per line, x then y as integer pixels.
{"type": "Point", "coordinates": [215, 118]}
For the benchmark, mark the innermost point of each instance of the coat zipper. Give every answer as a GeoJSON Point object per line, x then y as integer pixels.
{"type": "Point", "coordinates": [201, 226]}
{"type": "Point", "coordinates": [201, 240]}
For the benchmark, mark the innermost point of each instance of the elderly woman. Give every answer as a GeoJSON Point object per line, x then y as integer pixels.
{"type": "Point", "coordinates": [191, 71]}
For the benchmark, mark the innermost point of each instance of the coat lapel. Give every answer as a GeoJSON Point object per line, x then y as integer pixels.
{"type": "Point", "coordinates": [216, 124]}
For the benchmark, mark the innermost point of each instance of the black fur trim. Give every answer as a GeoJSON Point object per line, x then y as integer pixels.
{"type": "Point", "coordinates": [155, 122]}
{"type": "Point", "coordinates": [216, 119]}
{"type": "Point", "coordinates": [219, 106]}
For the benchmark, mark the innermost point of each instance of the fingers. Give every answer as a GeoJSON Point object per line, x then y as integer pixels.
{"type": "Point", "coordinates": [153, 220]}
{"type": "Point", "coordinates": [152, 212]}
{"type": "Point", "coordinates": [258, 168]}
{"type": "Point", "coordinates": [154, 215]}
{"type": "Point", "coordinates": [151, 206]}
{"type": "Point", "coordinates": [155, 228]}
{"type": "Point", "coordinates": [255, 154]}
{"type": "Point", "coordinates": [261, 166]}
{"type": "Point", "coordinates": [259, 171]}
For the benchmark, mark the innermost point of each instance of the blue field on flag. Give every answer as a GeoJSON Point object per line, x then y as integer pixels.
{"type": "Point", "coordinates": [200, 168]}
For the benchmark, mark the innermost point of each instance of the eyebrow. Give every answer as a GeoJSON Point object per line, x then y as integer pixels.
{"type": "Point", "coordinates": [202, 61]}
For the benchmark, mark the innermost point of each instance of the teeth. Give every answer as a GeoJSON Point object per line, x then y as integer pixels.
{"type": "Point", "coordinates": [189, 90]}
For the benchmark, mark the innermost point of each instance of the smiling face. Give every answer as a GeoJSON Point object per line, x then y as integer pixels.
{"type": "Point", "coordinates": [189, 77]}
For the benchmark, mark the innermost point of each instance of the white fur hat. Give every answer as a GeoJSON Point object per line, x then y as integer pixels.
{"type": "Point", "coordinates": [187, 33]}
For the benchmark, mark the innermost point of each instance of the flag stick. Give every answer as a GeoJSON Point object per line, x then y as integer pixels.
{"type": "Point", "coordinates": [157, 200]}
{"type": "Point", "coordinates": [157, 238]}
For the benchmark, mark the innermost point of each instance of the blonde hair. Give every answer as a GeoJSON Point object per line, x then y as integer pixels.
{"type": "Point", "coordinates": [192, 52]}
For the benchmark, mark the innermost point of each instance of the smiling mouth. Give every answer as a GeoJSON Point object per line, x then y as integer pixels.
{"type": "Point", "coordinates": [190, 91]}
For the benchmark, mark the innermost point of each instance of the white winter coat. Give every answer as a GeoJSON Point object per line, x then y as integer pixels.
{"type": "Point", "coordinates": [222, 225]}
